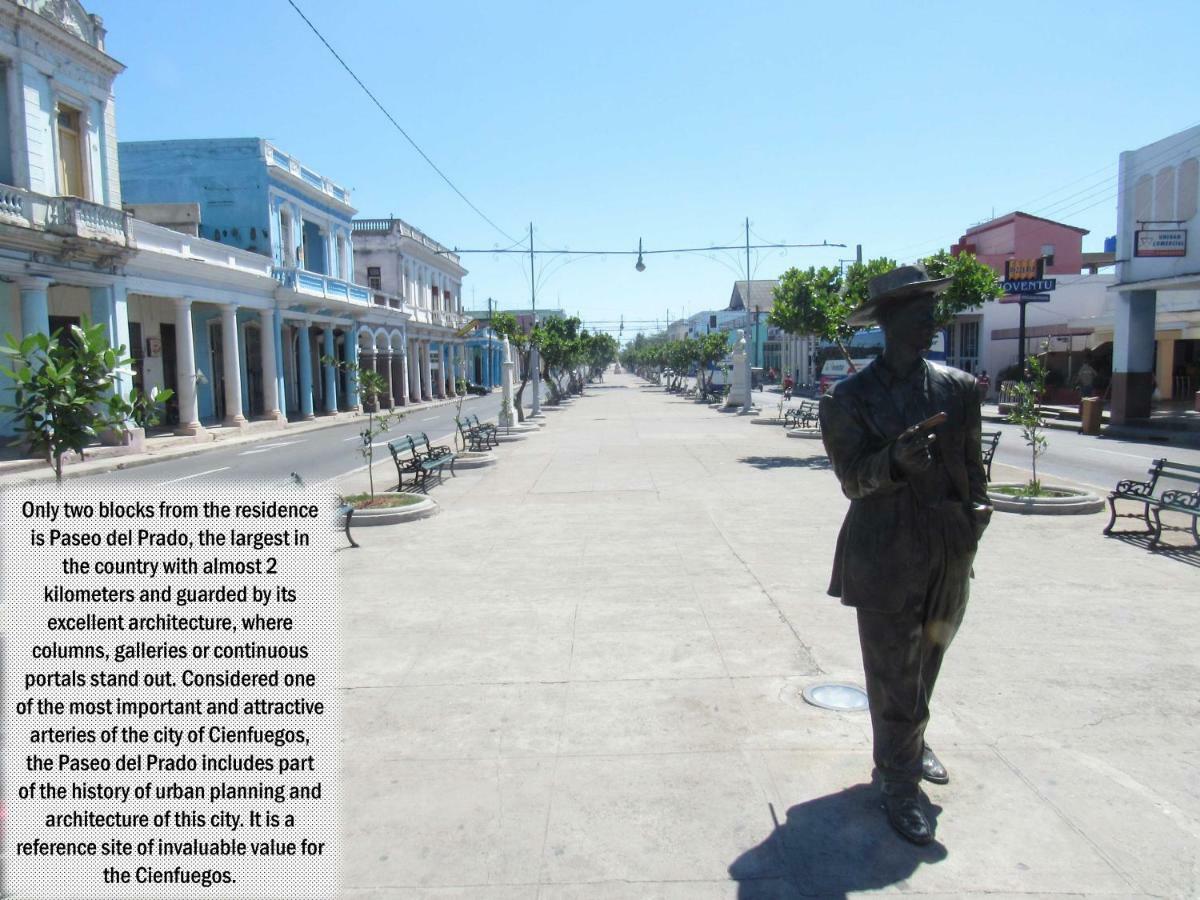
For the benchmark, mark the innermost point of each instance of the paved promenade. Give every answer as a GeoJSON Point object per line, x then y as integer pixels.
{"type": "Point", "coordinates": [591, 687]}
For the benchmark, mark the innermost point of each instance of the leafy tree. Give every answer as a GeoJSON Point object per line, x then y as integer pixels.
{"type": "Point", "coordinates": [146, 408]}
{"type": "Point", "coordinates": [561, 348]}
{"type": "Point", "coordinates": [522, 342]}
{"type": "Point", "coordinates": [974, 283]}
{"type": "Point", "coordinates": [371, 385]}
{"type": "Point", "coordinates": [812, 301]}
{"type": "Point", "coordinates": [64, 390]}
{"type": "Point", "coordinates": [601, 351]}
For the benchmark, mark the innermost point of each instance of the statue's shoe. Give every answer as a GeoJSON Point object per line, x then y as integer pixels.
{"type": "Point", "coordinates": [906, 816]}
{"type": "Point", "coordinates": [932, 768]}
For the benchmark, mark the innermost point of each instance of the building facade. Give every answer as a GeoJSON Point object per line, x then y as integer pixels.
{"type": "Point", "coordinates": [988, 339]}
{"type": "Point", "coordinates": [1155, 313]}
{"type": "Point", "coordinates": [63, 235]}
{"type": "Point", "coordinates": [406, 269]}
{"type": "Point", "coordinates": [278, 337]}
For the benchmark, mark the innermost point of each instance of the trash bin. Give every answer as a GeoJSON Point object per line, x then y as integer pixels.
{"type": "Point", "coordinates": [1090, 411]}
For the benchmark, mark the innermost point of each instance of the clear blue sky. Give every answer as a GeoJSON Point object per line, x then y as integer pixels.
{"type": "Point", "coordinates": [891, 125]}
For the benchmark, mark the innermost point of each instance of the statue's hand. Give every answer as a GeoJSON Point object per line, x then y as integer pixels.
{"type": "Point", "coordinates": [910, 452]}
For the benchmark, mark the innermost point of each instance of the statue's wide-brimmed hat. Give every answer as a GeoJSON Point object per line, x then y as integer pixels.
{"type": "Point", "coordinates": [900, 284]}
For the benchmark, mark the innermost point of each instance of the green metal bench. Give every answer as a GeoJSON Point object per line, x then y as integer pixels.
{"type": "Point", "coordinates": [487, 429]}
{"type": "Point", "coordinates": [988, 441]}
{"type": "Point", "coordinates": [418, 464]}
{"type": "Point", "coordinates": [806, 415]}
{"type": "Point", "coordinates": [1157, 499]}
{"type": "Point", "coordinates": [473, 439]}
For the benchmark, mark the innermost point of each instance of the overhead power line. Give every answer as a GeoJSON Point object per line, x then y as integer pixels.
{"type": "Point", "coordinates": [396, 124]}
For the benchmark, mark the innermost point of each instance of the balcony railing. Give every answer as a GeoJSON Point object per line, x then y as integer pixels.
{"type": "Point", "coordinates": [65, 216]}
{"type": "Point", "coordinates": [313, 285]}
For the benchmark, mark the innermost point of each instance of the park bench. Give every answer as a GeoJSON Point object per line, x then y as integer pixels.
{"type": "Point", "coordinates": [488, 429]}
{"type": "Point", "coordinates": [473, 439]}
{"type": "Point", "coordinates": [714, 392]}
{"type": "Point", "coordinates": [1157, 498]}
{"type": "Point", "coordinates": [418, 464]}
{"type": "Point", "coordinates": [806, 415]}
{"type": "Point", "coordinates": [435, 452]}
{"type": "Point", "coordinates": [988, 441]}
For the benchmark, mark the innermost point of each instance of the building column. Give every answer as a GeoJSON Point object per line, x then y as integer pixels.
{"type": "Point", "coordinates": [185, 369]}
{"type": "Point", "coordinates": [414, 371]}
{"type": "Point", "coordinates": [383, 365]}
{"type": "Point", "coordinates": [402, 373]}
{"type": "Point", "coordinates": [352, 374]}
{"type": "Point", "coordinates": [451, 386]}
{"type": "Point", "coordinates": [35, 305]}
{"type": "Point", "coordinates": [330, 372]}
{"type": "Point", "coordinates": [1133, 355]}
{"type": "Point", "coordinates": [270, 369]}
{"type": "Point", "coordinates": [304, 364]}
{"type": "Point", "coordinates": [231, 360]}
{"type": "Point", "coordinates": [426, 370]}
{"type": "Point", "coordinates": [110, 306]}
{"type": "Point", "coordinates": [280, 384]}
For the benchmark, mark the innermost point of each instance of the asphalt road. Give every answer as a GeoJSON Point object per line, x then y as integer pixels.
{"type": "Point", "coordinates": [327, 454]}
{"type": "Point", "coordinates": [316, 456]}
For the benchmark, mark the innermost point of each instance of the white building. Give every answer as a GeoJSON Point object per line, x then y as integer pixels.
{"type": "Point", "coordinates": [1155, 315]}
{"type": "Point", "coordinates": [404, 267]}
{"type": "Point", "coordinates": [63, 234]}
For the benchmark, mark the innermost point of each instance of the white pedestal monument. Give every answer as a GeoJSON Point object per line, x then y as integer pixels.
{"type": "Point", "coordinates": [739, 391]}
{"type": "Point", "coordinates": [508, 413]}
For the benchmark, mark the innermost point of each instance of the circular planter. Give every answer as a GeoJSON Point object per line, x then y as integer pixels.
{"type": "Point", "coordinates": [474, 459]}
{"type": "Point", "coordinates": [422, 508]}
{"type": "Point", "coordinates": [1070, 502]}
{"type": "Point", "coordinates": [805, 433]}
{"type": "Point", "coordinates": [509, 436]}
{"type": "Point", "coordinates": [767, 420]}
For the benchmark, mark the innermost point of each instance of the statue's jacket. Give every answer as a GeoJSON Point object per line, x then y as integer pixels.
{"type": "Point", "coordinates": [887, 541]}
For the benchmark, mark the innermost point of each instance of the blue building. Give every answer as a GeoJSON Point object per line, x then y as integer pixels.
{"type": "Point", "coordinates": [256, 199]}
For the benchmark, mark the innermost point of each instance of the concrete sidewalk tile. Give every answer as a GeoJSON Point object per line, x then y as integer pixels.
{"type": "Point", "coordinates": [675, 817]}
{"type": "Point", "coordinates": [453, 721]}
{"type": "Point", "coordinates": [478, 657]}
{"type": "Point", "coordinates": [533, 614]}
{"type": "Point", "coordinates": [603, 656]}
{"type": "Point", "coordinates": [425, 823]}
{"type": "Point", "coordinates": [472, 892]}
{"type": "Point", "coordinates": [639, 890]}
{"type": "Point", "coordinates": [764, 651]}
{"type": "Point", "coordinates": [985, 818]}
{"type": "Point", "coordinates": [665, 716]}
{"type": "Point", "coordinates": [777, 717]}
{"type": "Point", "coordinates": [601, 613]}
{"type": "Point", "coordinates": [374, 658]}
{"type": "Point", "coordinates": [1102, 802]}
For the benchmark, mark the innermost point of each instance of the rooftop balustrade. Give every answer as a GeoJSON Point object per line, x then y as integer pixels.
{"type": "Point", "coordinates": [276, 157]}
{"type": "Point", "coordinates": [385, 226]}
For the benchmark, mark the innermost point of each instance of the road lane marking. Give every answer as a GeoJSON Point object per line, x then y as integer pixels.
{"type": "Point", "coordinates": [1145, 459]}
{"type": "Point", "coordinates": [265, 448]}
{"type": "Point", "coordinates": [196, 475]}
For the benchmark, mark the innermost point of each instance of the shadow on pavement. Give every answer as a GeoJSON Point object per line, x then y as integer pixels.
{"type": "Point", "coordinates": [1189, 556]}
{"type": "Point", "coordinates": [787, 462]}
{"type": "Point", "coordinates": [831, 847]}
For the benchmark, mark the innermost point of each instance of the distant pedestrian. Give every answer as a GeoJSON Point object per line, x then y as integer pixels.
{"type": "Point", "coordinates": [788, 384]}
{"type": "Point", "coordinates": [985, 385]}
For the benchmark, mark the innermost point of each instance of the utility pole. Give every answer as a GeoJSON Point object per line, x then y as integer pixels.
{"type": "Point", "coordinates": [535, 359]}
{"type": "Point", "coordinates": [746, 302]}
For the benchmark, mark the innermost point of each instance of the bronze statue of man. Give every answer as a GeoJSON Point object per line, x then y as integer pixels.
{"type": "Point", "coordinates": [903, 437]}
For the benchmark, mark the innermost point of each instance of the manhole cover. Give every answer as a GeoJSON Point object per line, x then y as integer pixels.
{"type": "Point", "coordinates": [839, 697]}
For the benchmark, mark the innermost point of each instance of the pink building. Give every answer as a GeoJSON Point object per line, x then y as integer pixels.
{"type": "Point", "coordinates": [1019, 235]}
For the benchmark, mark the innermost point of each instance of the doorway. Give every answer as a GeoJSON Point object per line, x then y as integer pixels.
{"type": "Point", "coordinates": [166, 335]}
{"type": "Point", "coordinates": [254, 373]}
{"type": "Point", "coordinates": [216, 356]}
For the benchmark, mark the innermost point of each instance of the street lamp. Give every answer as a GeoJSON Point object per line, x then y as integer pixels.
{"type": "Point", "coordinates": [639, 265]}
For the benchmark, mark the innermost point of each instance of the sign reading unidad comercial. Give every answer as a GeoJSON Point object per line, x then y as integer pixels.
{"type": "Point", "coordinates": [1160, 242]}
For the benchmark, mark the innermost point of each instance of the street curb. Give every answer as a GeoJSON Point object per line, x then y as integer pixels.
{"type": "Point", "coordinates": [137, 460]}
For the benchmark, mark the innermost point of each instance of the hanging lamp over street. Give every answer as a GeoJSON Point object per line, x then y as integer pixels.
{"type": "Point", "coordinates": [640, 266]}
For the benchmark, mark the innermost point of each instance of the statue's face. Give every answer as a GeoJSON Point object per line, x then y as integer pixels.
{"type": "Point", "coordinates": [912, 325]}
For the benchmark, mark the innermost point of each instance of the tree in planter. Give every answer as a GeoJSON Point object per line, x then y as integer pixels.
{"type": "Point", "coordinates": [370, 386]}
{"type": "Point", "coordinates": [560, 349]}
{"type": "Point", "coordinates": [505, 325]}
{"type": "Point", "coordinates": [711, 349]}
{"type": "Point", "coordinates": [1027, 413]}
{"type": "Point", "coordinates": [146, 409]}
{"type": "Point", "coordinates": [64, 390]}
